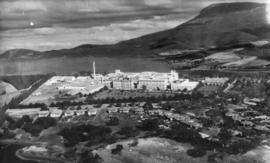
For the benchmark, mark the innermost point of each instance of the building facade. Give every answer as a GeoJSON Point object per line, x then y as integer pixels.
{"type": "Point", "coordinates": [153, 84]}
{"type": "Point", "coordinates": [184, 85]}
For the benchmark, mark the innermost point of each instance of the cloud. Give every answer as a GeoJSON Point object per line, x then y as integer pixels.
{"type": "Point", "coordinates": [21, 5]}
{"type": "Point", "coordinates": [46, 13]}
{"type": "Point", "coordinates": [50, 38]}
{"type": "Point", "coordinates": [68, 23]}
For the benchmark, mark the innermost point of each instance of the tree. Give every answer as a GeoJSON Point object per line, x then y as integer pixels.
{"type": "Point", "coordinates": [44, 107]}
{"type": "Point", "coordinates": [134, 143]}
{"type": "Point", "coordinates": [224, 134]}
{"type": "Point", "coordinates": [144, 88]}
{"type": "Point", "coordinates": [117, 150]}
{"type": "Point", "coordinates": [149, 124]}
{"type": "Point", "coordinates": [118, 104]}
{"type": "Point", "coordinates": [89, 157]}
{"type": "Point", "coordinates": [148, 105]}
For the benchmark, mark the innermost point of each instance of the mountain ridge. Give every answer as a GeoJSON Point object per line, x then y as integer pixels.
{"type": "Point", "coordinates": [218, 25]}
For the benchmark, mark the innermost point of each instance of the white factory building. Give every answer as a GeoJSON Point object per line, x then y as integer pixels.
{"type": "Point", "coordinates": [184, 84]}
{"type": "Point", "coordinates": [153, 81]}
{"type": "Point", "coordinates": [124, 84]}
{"type": "Point", "coordinates": [153, 84]}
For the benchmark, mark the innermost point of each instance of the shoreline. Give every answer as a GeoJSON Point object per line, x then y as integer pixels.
{"type": "Point", "coordinates": [19, 153]}
{"type": "Point", "coordinates": [19, 142]}
{"type": "Point", "coordinates": [28, 157]}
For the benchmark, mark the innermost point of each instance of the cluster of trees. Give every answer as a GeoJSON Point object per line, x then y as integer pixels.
{"type": "Point", "coordinates": [196, 152]}
{"type": "Point", "coordinates": [32, 127]}
{"type": "Point", "coordinates": [35, 105]}
{"type": "Point", "coordinates": [149, 124]}
{"type": "Point", "coordinates": [117, 149]}
{"type": "Point", "coordinates": [90, 100]}
{"type": "Point", "coordinates": [93, 134]}
{"type": "Point", "coordinates": [128, 132]}
{"type": "Point", "coordinates": [89, 157]}
{"type": "Point", "coordinates": [162, 97]}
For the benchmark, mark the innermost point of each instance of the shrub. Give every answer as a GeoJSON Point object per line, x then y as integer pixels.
{"type": "Point", "coordinates": [117, 150]}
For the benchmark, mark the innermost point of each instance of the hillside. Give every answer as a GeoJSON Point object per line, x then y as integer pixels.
{"type": "Point", "coordinates": [6, 88]}
{"type": "Point", "coordinates": [217, 28]}
{"type": "Point", "coordinates": [217, 25]}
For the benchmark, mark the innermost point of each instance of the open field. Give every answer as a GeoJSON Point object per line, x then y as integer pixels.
{"type": "Point", "coordinates": [159, 150]}
{"type": "Point", "coordinates": [228, 56]}
{"type": "Point", "coordinates": [150, 150]}
{"type": "Point", "coordinates": [62, 88]}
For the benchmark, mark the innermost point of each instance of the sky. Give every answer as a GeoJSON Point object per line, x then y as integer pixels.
{"type": "Point", "coordinates": [56, 24]}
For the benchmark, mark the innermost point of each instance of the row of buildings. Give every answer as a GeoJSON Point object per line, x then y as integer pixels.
{"type": "Point", "coordinates": [153, 81]}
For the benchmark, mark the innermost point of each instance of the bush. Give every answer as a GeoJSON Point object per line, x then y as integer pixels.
{"type": "Point", "coordinates": [89, 157]}
{"type": "Point", "coordinates": [117, 150]}
{"type": "Point", "coordinates": [134, 143]}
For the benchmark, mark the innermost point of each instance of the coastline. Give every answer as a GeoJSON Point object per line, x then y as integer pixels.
{"type": "Point", "coordinates": [23, 156]}
{"type": "Point", "coordinates": [29, 157]}
{"type": "Point", "coordinates": [18, 142]}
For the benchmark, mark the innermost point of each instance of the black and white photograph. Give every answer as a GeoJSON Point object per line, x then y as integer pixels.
{"type": "Point", "coordinates": [134, 81]}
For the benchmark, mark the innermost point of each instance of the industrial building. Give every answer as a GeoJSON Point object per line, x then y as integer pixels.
{"type": "Point", "coordinates": [185, 84]}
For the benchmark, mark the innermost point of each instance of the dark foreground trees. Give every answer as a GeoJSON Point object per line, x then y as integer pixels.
{"type": "Point", "coordinates": [90, 133]}
{"type": "Point", "coordinates": [196, 152]}
{"type": "Point", "coordinates": [117, 149]}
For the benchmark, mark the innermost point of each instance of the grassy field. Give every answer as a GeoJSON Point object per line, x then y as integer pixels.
{"type": "Point", "coordinates": [159, 150]}
{"type": "Point", "coordinates": [61, 90]}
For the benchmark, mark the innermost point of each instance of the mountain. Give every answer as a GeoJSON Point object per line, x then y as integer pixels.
{"type": "Point", "coordinates": [6, 88]}
{"type": "Point", "coordinates": [217, 27]}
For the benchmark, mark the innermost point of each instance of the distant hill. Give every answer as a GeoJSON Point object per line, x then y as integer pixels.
{"type": "Point", "coordinates": [20, 82]}
{"type": "Point", "coordinates": [219, 26]}
{"type": "Point", "coordinates": [6, 88]}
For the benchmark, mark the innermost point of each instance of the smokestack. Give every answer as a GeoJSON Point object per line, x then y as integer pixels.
{"type": "Point", "coordinates": [94, 69]}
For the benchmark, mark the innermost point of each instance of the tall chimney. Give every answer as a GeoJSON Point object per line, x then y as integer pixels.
{"type": "Point", "coordinates": [94, 69]}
